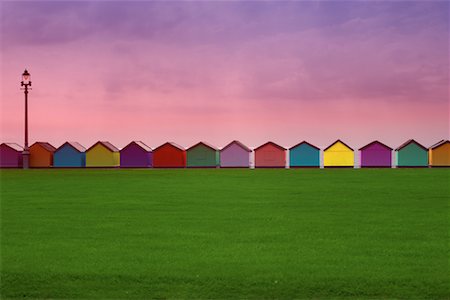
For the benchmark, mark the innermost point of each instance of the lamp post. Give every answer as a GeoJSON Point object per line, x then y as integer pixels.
{"type": "Point", "coordinates": [26, 82]}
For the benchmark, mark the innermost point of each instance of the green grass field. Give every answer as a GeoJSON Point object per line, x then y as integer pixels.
{"type": "Point", "coordinates": [225, 233]}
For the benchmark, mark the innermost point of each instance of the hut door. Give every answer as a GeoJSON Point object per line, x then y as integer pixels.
{"type": "Point", "coordinates": [202, 155]}
{"type": "Point", "coordinates": [270, 156]}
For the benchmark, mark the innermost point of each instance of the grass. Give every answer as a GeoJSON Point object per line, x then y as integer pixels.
{"type": "Point", "coordinates": [225, 233]}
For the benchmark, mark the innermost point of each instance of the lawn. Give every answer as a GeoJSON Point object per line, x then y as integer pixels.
{"type": "Point", "coordinates": [225, 233]}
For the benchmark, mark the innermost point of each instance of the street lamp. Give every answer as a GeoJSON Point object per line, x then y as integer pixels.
{"type": "Point", "coordinates": [26, 82]}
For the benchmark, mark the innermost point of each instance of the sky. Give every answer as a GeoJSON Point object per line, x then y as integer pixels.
{"type": "Point", "coordinates": [216, 71]}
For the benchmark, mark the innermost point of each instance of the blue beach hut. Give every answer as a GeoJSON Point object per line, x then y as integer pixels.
{"type": "Point", "coordinates": [304, 155]}
{"type": "Point", "coordinates": [70, 155]}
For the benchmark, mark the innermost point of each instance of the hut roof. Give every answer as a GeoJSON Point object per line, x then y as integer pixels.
{"type": "Point", "coordinates": [440, 143]}
{"type": "Point", "coordinates": [77, 146]}
{"type": "Point", "coordinates": [338, 141]}
{"type": "Point", "coordinates": [46, 146]}
{"type": "Point", "coordinates": [239, 144]}
{"type": "Point", "coordinates": [14, 146]}
{"type": "Point", "coordinates": [375, 142]}
{"type": "Point", "coordinates": [409, 142]}
{"type": "Point", "coordinates": [140, 144]}
{"type": "Point", "coordinates": [106, 144]}
{"type": "Point", "coordinates": [172, 144]}
{"type": "Point", "coordinates": [304, 142]}
{"type": "Point", "coordinates": [271, 143]}
{"type": "Point", "coordinates": [205, 144]}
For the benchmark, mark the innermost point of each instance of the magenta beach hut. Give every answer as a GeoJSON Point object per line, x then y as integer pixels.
{"type": "Point", "coordinates": [136, 155]}
{"type": "Point", "coordinates": [376, 155]}
{"type": "Point", "coordinates": [235, 155]}
{"type": "Point", "coordinates": [10, 155]}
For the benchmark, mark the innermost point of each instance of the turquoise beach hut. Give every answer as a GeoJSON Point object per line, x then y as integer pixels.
{"type": "Point", "coordinates": [70, 155]}
{"type": "Point", "coordinates": [411, 154]}
{"type": "Point", "coordinates": [304, 155]}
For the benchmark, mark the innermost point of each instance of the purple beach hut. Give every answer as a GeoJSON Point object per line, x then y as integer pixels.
{"type": "Point", "coordinates": [10, 155]}
{"type": "Point", "coordinates": [376, 155]}
{"type": "Point", "coordinates": [136, 155]}
{"type": "Point", "coordinates": [235, 155]}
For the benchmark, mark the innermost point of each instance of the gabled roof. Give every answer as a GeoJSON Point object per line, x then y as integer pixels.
{"type": "Point", "coordinates": [375, 142]}
{"type": "Point", "coordinates": [304, 142]}
{"type": "Point", "coordinates": [273, 144]}
{"type": "Point", "coordinates": [172, 144]}
{"type": "Point", "coordinates": [440, 143]}
{"type": "Point", "coordinates": [239, 144]}
{"type": "Point", "coordinates": [205, 144]}
{"type": "Point", "coordinates": [14, 146]}
{"type": "Point", "coordinates": [105, 144]}
{"type": "Point", "coordinates": [338, 141]}
{"type": "Point", "coordinates": [75, 145]}
{"type": "Point", "coordinates": [409, 142]}
{"type": "Point", "coordinates": [140, 144]}
{"type": "Point", "coordinates": [45, 145]}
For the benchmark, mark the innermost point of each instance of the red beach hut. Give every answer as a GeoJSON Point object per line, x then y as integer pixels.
{"type": "Point", "coordinates": [10, 155]}
{"type": "Point", "coordinates": [169, 155]}
{"type": "Point", "coordinates": [270, 155]}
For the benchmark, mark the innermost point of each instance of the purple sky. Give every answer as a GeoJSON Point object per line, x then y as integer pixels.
{"type": "Point", "coordinates": [217, 71]}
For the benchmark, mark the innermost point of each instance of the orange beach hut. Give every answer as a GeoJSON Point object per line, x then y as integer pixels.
{"type": "Point", "coordinates": [41, 155]}
{"type": "Point", "coordinates": [439, 154]}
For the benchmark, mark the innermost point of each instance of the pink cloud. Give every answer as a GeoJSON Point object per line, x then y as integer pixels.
{"type": "Point", "coordinates": [216, 72]}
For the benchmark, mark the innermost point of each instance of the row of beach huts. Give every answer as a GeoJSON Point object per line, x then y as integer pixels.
{"type": "Point", "coordinates": [234, 155]}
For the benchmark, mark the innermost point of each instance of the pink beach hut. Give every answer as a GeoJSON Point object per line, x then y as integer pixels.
{"type": "Point", "coordinates": [235, 155]}
{"type": "Point", "coordinates": [270, 155]}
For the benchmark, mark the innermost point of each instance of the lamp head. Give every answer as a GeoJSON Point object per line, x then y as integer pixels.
{"type": "Point", "coordinates": [26, 77]}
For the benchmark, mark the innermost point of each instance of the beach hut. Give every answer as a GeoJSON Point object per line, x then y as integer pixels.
{"type": "Point", "coordinates": [411, 154]}
{"type": "Point", "coordinates": [169, 155]}
{"type": "Point", "coordinates": [235, 155]}
{"type": "Point", "coordinates": [136, 155]}
{"type": "Point", "coordinates": [270, 155]}
{"type": "Point", "coordinates": [203, 155]}
{"type": "Point", "coordinates": [102, 154]}
{"type": "Point", "coordinates": [439, 154]}
{"type": "Point", "coordinates": [338, 155]}
{"type": "Point", "coordinates": [41, 155]}
{"type": "Point", "coordinates": [376, 155]}
{"type": "Point", "coordinates": [10, 155]}
{"type": "Point", "coordinates": [70, 155]}
{"type": "Point", "coordinates": [304, 155]}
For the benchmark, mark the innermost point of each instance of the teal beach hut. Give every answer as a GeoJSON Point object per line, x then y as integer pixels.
{"type": "Point", "coordinates": [411, 154]}
{"type": "Point", "coordinates": [304, 155]}
{"type": "Point", "coordinates": [70, 155]}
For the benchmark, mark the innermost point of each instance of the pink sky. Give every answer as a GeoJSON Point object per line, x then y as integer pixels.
{"type": "Point", "coordinates": [252, 71]}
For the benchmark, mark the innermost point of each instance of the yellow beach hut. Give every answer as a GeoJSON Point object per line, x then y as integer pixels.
{"type": "Point", "coordinates": [338, 155]}
{"type": "Point", "coordinates": [103, 154]}
{"type": "Point", "coordinates": [439, 154]}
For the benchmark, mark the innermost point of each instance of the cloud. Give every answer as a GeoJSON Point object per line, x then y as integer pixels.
{"type": "Point", "coordinates": [338, 62]}
{"type": "Point", "coordinates": [211, 64]}
{"type": "Point", "coordinates": [41, 23]}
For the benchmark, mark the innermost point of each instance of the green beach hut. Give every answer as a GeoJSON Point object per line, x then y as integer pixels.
{"type": "Point", "coordinates": [411, 154]}
{"type": "Point", "coordinates": [203, 155]}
